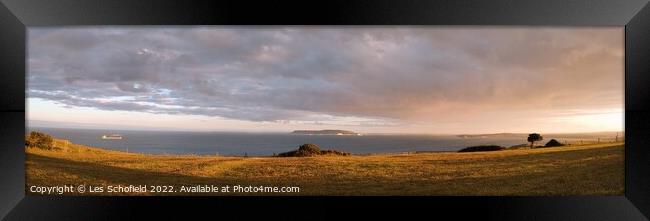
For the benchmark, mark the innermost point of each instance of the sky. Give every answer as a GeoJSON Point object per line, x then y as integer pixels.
{"type": "Point", "coordinates": [386, 79]}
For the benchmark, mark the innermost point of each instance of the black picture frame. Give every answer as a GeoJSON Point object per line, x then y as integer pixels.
{"type": "Point", "coordinates": [16, 15]}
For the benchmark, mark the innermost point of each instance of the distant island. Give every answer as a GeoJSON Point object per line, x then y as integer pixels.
{"type": "Point", "coordinates": [325, 132]}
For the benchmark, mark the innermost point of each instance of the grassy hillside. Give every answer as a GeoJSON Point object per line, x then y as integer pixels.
{"type": "Point", "coordinates": [573, 170]}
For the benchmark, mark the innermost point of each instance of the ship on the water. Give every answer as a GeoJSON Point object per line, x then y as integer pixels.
{"type": "Point", "coordinates": [112, 137]}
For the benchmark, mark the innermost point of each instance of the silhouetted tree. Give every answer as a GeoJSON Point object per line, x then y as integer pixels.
{"type": "Point", "coordinates": [534, 137]}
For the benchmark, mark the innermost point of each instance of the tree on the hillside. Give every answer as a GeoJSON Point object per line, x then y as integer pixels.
{"type": "Point", "coordinates": [39, 140]}
{"type": "Point", "coordinates": [534, 137]}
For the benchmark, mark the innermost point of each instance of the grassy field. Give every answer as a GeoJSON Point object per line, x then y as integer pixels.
{"type": "Point", "coordinates": [574, 170]}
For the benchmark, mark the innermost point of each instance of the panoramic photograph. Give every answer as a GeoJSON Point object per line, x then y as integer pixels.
{"type": "Point", "coordinates": [324, 110]}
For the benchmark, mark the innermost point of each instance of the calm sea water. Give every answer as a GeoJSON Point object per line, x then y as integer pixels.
{"type": "Point", "coordinates": [265, 144]}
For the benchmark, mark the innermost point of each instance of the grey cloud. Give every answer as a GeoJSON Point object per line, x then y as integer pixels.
{"type": "Point", "coordinates": [300, 73]}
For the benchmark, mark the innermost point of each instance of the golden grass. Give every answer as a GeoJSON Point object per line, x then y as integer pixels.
{"type": "Point", "coordinates": [575, 170]}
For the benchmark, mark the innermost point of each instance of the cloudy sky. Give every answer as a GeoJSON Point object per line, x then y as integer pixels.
{"type": "Point", "coordinates": [439, 80]}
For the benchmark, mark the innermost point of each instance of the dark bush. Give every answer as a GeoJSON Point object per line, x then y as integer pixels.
{"type": "Point", "coordinates": [39, 140]}
{"type": "Point", "coordinates": [304, 150]}
{"type": "Point", "coordinates": [553, 143]}
{"type": "Point", "coordinates": [307, 150]}
{"type": "Point", "coordinates": [482, 148]}
{"type": "Point", "coordinates": [293, 153]}
{"type": "Point", "coordinates": [334, 152]}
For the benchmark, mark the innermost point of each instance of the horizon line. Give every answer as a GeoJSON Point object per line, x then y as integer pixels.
{"type": "Point", "coordinates": [289, 131]}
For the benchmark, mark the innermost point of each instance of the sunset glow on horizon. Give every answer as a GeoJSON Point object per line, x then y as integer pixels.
{"type": "Point", "coordinates": [418, 80]}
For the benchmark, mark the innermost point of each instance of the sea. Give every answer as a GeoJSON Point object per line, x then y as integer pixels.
{"type": "Point", "coordinates": [267, 144]}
